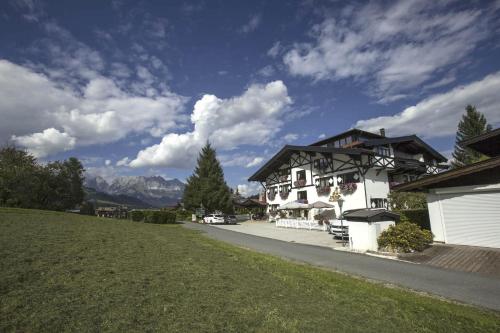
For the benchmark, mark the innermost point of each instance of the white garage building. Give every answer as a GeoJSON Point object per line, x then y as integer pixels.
{"type": "Point", "coordinates": [464, 203]}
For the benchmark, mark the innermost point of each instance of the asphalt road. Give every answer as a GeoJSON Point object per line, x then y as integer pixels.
{"type": "Point", "coordinates": [464, 287]}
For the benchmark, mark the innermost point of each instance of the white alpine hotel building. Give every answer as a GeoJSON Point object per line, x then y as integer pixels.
{"type": "Point", "coordinates": [361, 166]}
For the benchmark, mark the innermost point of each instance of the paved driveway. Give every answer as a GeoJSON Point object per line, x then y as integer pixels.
{"type": "Point", "coordinates": [461, 286]}
{"type": "Point", "coordinates": [269, 230]}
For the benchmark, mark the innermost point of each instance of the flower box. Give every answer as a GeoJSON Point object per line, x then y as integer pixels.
{"type": "Point", "coordinates": [348, 188]}
{"type": "Point", "coordinates": [299, 183]}
{"type": "Point", "coordinates": [323, 190]}
{"type": "Point", "coordinates": [283, 178]}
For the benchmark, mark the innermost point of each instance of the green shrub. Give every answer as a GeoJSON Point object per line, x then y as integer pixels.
{"type": "Point", "coordinates": [159, 217]}
{"type": "Point", "coordinates": [183, 215]}
{"type": "Point", "coordinates": [404, 237]}
{"type": "Point", "coordinates": [418, 216]}
{"type": "Point", "coordinates": [137, 215]}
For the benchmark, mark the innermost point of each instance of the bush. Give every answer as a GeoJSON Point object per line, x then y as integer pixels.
{"type": "Point", "coordinates": [183, 215]}
{"type": "Point", "coordinates": [405, 237]}
{"type": "Point", "coordinates": [137, 215]}
{"type": "Point", "coordinates": [159, 217]}
{"type": "Point", "coordinates": [418, 216]}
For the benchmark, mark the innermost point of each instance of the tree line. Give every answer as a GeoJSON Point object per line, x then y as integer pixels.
{"type": "Point", "coordinates": [26, 183]}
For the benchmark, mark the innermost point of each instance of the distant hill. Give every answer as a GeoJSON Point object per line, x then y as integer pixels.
{"type": "Point", "coordinates": [153, 191]}
{"type": "Point", "coordinates": [104, 199]}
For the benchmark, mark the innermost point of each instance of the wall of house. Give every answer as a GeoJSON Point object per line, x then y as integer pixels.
{"type": "Point", "coordinates": [435, 217]}
{"type": "Point", "coordinates": [377, 184]}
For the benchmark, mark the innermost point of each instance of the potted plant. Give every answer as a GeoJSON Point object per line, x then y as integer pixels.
{"type": "Point", "coordinates": [348, 188]}
{"type": "Point", "coordinates": [323, 190]}
{"type": "Point", "coordinates": [299, 183]}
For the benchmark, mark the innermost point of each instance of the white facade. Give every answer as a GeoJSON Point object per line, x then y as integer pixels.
{"type": "Point", "coordinates": [363, 235]}
{"type": "Point", "coordinates": [466, 215]}
{"type": "Point", "coordinates": [374, 184]}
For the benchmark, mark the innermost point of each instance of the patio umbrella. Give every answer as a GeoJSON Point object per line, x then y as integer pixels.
{"type": "Point", "coordinates": [321, 204]}
{"type": "Point", "coordinates": [294, 205]}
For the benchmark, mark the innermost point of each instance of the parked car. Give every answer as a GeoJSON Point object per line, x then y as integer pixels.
{"type": "Point", "coordinates": [214, 218]}
{"type": "Point", "coordinates": [231, 219]}
{"type": "Point", "coordinates": [258, 216]}
{"type": "Point", "coordinates": [335, 228]}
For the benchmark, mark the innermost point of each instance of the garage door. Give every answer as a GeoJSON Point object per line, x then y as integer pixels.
{"type": "Point", "coordinates": [472, 218]}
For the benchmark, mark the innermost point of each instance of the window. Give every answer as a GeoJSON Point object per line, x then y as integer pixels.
{"type": "Point", "coordinates": [302, 195]}
{"type": "Point", "coordinates": [284, 172]}
{"type": "Point", "coordinates": [323, 182]}
{"type": "Point", "coordinates": [378, 203]}
{"type": "Point", "coordinates": [351, 177]}
{"type": "Point", "coordinates": [301, 174]}
{"type": "Point", "coordinates": [384, 151]}
{"type": "Point", "coordinates": [321, 163]}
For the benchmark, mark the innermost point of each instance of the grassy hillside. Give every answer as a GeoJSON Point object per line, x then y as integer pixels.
{"type": "Point", "coordinates": [62, 272]}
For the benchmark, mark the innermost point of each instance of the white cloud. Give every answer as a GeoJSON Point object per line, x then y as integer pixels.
{"type": "Point", "coordinates": [250, 119]}
{"type": "Point", "coordinates": [107, 162]}
{"type": "Point", "coordinates": [243, 160]}
{"type": "Point", "coordinates": [45, 143]}
{"type": "Point", "coordinates": [123, 162]}
{"type": "Point", "coordinates": [290, 137]}
{"type": "Point", "coordinates": [396, 47]}
{"type": "Point", "coordinates": [34, 102]}
{"type": "Point", "coordinates": [252, 24]}
{"type": "Point", "coordinates": [438, 115]}
{"type": "Point", "coordinates": [322, 136]}
{"type": "Point", "coordinates": [266, 71]}
{"type": "Point", "coordinates": [249, 189]}
{"type": "Point", "coordinates": [275, 50]}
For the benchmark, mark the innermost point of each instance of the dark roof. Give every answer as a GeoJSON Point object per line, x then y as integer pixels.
{"type": "Point", "coordinates": [404, 139]}
{"type": "Point", "coordinates": [343, 134]}
{"type": "Point", "coordinates": [370, 215]}
{"type": "Point", "coordinates": [480, 173]}
{"type": "Point", "coordinates": [284, 154]}
{"type": "Point", "coordinates": [487, 143]}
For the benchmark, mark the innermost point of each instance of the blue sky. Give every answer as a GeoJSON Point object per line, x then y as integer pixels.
{"type": "Point", "coordinates": [137, 87]}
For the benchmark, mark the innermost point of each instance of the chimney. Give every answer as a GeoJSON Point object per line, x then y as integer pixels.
{"type": "Point", "coordinates": [382, 132]}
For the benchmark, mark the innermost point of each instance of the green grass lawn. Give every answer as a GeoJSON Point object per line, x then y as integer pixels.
{"type": "Point", "coordinates": [61, 272]}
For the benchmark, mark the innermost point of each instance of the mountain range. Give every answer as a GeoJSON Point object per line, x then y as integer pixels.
{"type": "Point", "coordinates": [154, 191]}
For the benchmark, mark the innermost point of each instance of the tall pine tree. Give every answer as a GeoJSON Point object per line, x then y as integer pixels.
{"type": "Point", "coordinates": [207, 187]}
{"type": "Point", "coordinates": [473, 123]}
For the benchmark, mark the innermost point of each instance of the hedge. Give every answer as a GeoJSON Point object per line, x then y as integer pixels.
{"type": "Point", "coordinates": [418, 216]}
{"type": "Point", "coordinates": [159, 217]}
{"type": "Point", "coordinates": [137, 215]}
{"type": "Point", "coordinates": [153, 216]}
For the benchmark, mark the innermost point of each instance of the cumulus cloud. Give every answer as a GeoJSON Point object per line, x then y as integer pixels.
{"type": "Point", "coordinates": [249, 189]}
{"type": "Point", "coordinates": [33, 104]}
{"type": "Point", "coordinates": [45, 143]}
{"type": "Point", "coordinates": [250, 119]}
{"type": "Point", "coordinates": [396, 46]}
{"type": "Point", "coordinates": [438, 115]}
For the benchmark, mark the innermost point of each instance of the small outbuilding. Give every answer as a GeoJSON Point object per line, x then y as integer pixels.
{"type": "Point", "coordinates": [365, 225]}
{"type": "Point", "coordinates": [464, 203]}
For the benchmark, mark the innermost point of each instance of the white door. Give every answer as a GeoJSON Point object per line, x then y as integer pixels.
{"type": "Point", "coordinates": [472, 218]}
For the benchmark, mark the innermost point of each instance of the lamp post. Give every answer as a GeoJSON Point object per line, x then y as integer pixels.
{"type": "Point", "coordinates": [340, 201]}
